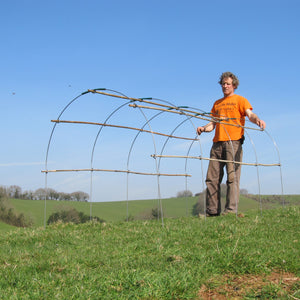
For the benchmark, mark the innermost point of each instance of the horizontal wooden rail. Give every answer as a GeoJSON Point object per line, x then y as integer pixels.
{"type": "Point", "coordinates": [214, 159]}
{"type": "Point", "coordinates": [170, 108]}
{"type": "Point", "coordinates": [124, 127]}
{"type": "Point", "coordinates": [147, 101]}
{"type": "Point", "coordinates": [108, 170]}
{"type": "Point", "coordinates": [212, 119]}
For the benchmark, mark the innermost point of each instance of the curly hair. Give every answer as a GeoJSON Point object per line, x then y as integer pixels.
{"type": "Point", "coordinates": [235, 81]}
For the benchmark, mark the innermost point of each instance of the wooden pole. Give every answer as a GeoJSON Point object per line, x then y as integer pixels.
{"type": "Point", "coordinates": [125, 127]}
{"type": "Point", "coordinates": [214, 159]}
{"type": "Point", "coordinates": [178, 110]}
{"type": "Point", "coordinates": [117, 171]}
{"type": "Point", "coordinates": [146, 101]}
{"type": "Point", "coordinates": [194, 116]}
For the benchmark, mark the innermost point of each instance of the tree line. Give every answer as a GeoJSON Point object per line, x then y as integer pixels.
{"type": "Point", "coordinates": [15, 191]}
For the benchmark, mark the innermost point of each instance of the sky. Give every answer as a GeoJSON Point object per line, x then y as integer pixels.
{"type": "Point", "coordinates": [52, 51]}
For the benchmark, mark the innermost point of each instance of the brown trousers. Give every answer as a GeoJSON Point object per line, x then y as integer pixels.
{"type": "Point", "coordinates": [229, 150]}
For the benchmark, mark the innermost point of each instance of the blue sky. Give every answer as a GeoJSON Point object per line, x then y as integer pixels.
{"type": "Point", "coordinates": [172, 50]}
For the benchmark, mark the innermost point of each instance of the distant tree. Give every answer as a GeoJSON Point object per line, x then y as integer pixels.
{"type": "Point", "coordinates": [243, 192]}
{"type": "Point", "coordinates": [3, 191]}
{"type": "Point", "coordinates": [40, 194]}
{"type": "Point", "coordinates": [14, 191]}
{"type": "Point", "coordinates": [52, 194]}
{"type": "Point", "coordinates": [28, 195]}
{"type": "Point", "coordinates": [79, 196]}
{"type": "Point", "coordinates": [64, 196]}
{"type": "Point", "coordinates": [185, 193]}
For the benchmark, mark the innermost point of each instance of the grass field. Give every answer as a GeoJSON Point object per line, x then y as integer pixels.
{"type": "Point", "coordinates": [5, 227]}
{"type": "Point", "coordinates": [140, 209]}
{"type": "Point", "coordinates": [253, 257]}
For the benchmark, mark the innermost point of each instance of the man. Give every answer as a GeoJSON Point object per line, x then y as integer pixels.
{"type": "Point", "coordinates": [228, 115]}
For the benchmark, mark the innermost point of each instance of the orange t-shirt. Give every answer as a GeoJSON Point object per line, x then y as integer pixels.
{"type": "Point", "coordinates": [232, 110]}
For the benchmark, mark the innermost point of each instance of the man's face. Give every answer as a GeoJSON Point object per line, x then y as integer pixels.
{"type": "Point", "coordinates": [227, 87]}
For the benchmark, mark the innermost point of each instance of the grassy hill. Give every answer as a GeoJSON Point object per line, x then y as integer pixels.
{"type": "Point", "coordinates": [5, 227]}
{"type": "Point", "coordinates": [254, 257]}
{"type": "Point", "coordinates": [139, 209]}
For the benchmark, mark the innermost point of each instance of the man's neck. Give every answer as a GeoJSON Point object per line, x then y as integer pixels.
{"type": "Point", "coordinates": [226, 96]}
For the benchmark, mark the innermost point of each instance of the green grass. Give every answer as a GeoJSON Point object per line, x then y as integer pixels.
{"type": "Point", "coordinates": [145, 260]}
{"type": "Point", "coordinates": [117, 211]}
{"type": "Point", "coordinates": [109, 211]}
{"type": "Point", "coordinates": [5, 227]}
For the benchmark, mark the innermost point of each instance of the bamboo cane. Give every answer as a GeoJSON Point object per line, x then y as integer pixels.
{"type": "Point", "coordinates": [125, 127]}
{"type": "Point", "coordinates": [146, 101]}
{"type": "Point", "coordinates": [212, 119]}
{"type": "Point", "coordinates": [178, 109]}
{"type": "Point", "coordinates": [117, 171]}
{"type": "Point", "coordinates": [214, 159]}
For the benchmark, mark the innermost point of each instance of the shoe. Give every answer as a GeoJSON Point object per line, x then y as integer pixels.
{"type": "Point", "coordinates": [212, 215]}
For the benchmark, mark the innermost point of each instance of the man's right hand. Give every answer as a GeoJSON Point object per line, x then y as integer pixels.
{"type": "Point", "coordinates": [200, 129]}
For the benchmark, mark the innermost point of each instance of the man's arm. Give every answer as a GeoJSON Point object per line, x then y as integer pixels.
{"type": "Point", "coordinates": [207, 128]}
{"type": "Point", "coordinates": [255, 119]}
